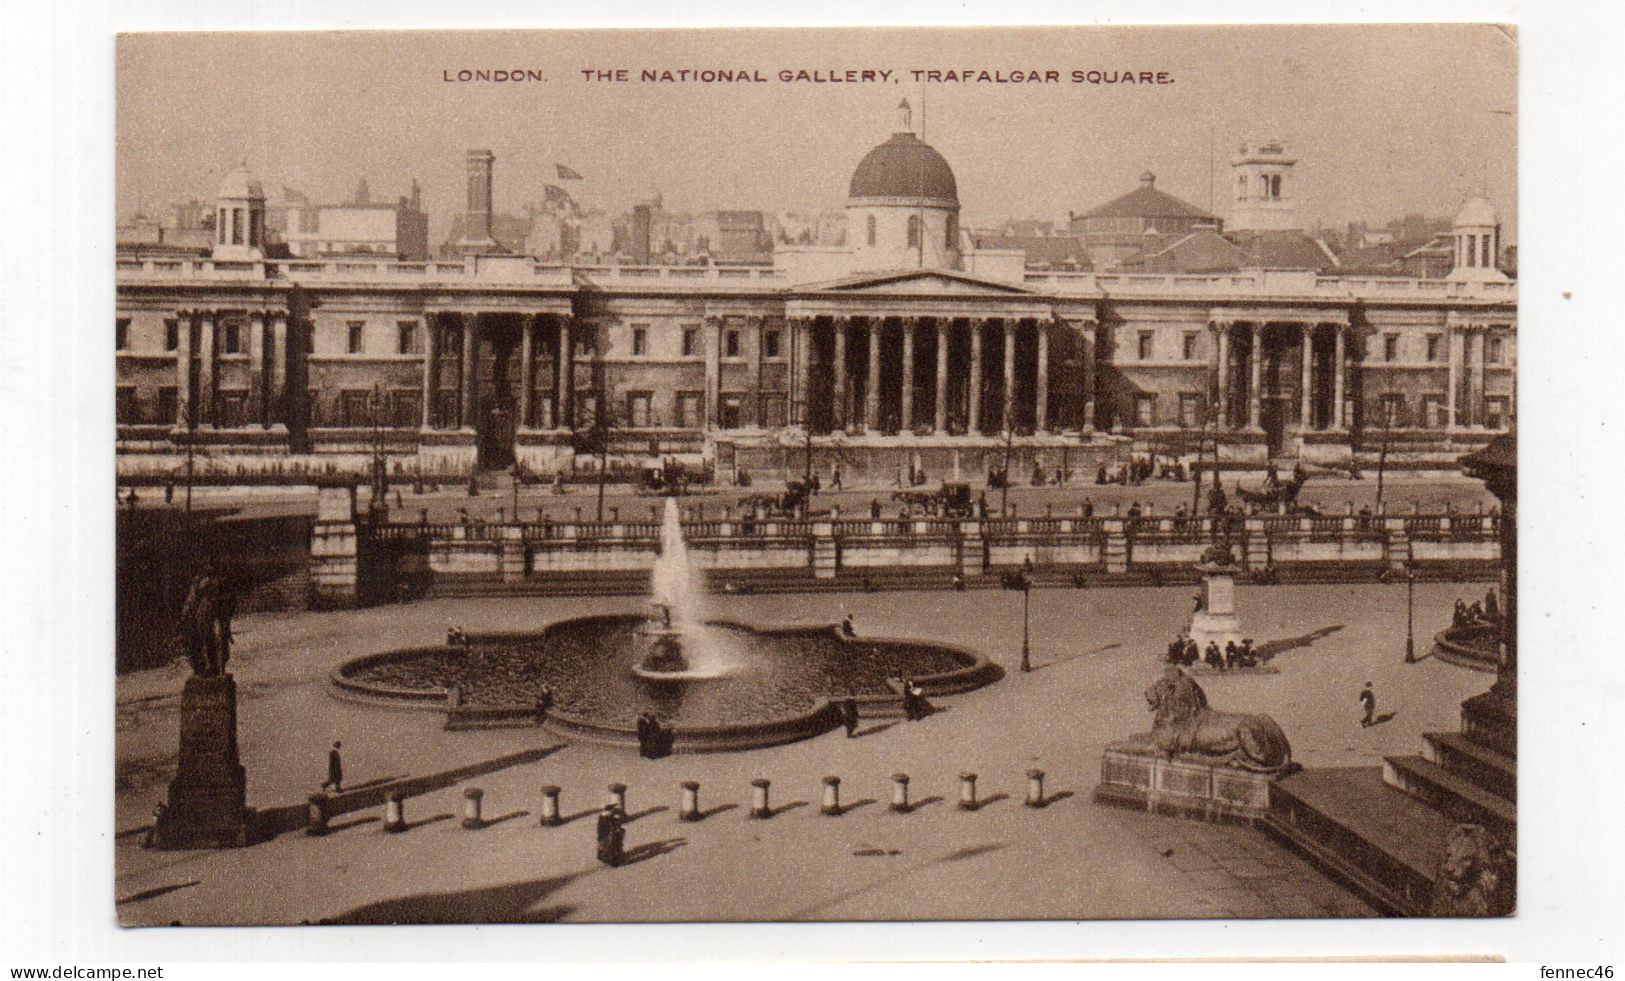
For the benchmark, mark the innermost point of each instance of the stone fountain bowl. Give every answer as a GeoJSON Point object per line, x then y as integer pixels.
{"type": "Point", "coordinates": [789, 691]}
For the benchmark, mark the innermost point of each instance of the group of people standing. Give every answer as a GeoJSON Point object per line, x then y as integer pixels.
{"type": "Point", "coordinates": [1468, 614]}
{"type": "Point", "coordinates": [654, 737]}
{"type": "Point", "coordinates": [1183, 651]}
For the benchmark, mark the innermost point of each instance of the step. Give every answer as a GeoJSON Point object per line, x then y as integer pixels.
{"type": "Point", "coordinates": [1372, 838]}
{"type": "Point", "coordinates": [1489, 768]}
{"type": "Point", "coordinates": [1453, 794]}
{"type": "Point", "coordinates": [1491, 720]}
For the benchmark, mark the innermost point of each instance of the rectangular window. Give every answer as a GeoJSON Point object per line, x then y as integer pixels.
{"type": "Point", "coordinates": [729, 411]}
{"type": "Point", "coordinates": [1392, 411]}
{"type": "Point", "coordinates": [1492, 351]}
{"type": "Point", "coordinates": [637, 409]}
{"type": "Point", "coordinates": [691, 342]}
{"type": "Point", "coordinates": [406, 337]}
{"type": "Point", "coordinates": [1435, 347]}
{"type": "Point", "coordinates": [353, 336]}
{"type": "Point", "coordinates": [689, 410]}
{"type": "Point", "coordinates": [1495, 412]}
{"type": "Point", "coordinates": [1190, 347]}
{"type": "Point", "coordinates": [168, 404]}
{"type": "Point", "coordinates": [732, 344]}
{"type": "Point", "coordinates": [406, 408]}
{"type": "Point", "coordinates": [1145, 409]}
{"type": "Point", "coordinates": [1390, 347]}
{"type": "Point", "coordinates": [354, 409]}
{"type": "Point", "coordinates": [172, 334]}
{"type": "Point", "coordinates": [232, 341]}
{"type": "Point", "coordinates": [1145, 345]}
{"type": "Point", "coordinates": [233, 406]}
{"type": "Point", "coordinates": [121, 333]}
{"type": "Point", "coordinates": [773, 410]}
{"type": "Point", "coordinates": [770, 344]}
{"type": "Point", "coordinates": [640, 341]}
{"type": "Point", "coordinates": [125, 406]}
{"type": "Point", "coordinates": [1190, 410]}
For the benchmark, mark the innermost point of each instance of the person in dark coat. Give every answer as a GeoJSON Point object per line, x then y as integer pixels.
{"type": "Point", "coordinates": [1368, 701]}
{"type": "Point", "coordinates": [847, 629]}
{"type": "Point", "coordinates": [849, 716]}
{"type": "Point", "coordinates": [1191, 652]}
{"type": "Point", "coordinates": [1229, 654]}
{"type": "Point", "coordinates": [1214, 659]}
{"type": "Point", "coordinates": [611, 836]}
{"type": "Point", "coordinates": [335, 770]}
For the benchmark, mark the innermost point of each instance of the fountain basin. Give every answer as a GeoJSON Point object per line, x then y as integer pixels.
{"type": "Point", "coordinates": [784, 689]}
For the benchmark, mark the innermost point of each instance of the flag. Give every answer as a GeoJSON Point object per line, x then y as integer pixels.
{"type": "Point", "coordinates": [566, 174]}
{"type": "Point", "coordinates": [558, 195]}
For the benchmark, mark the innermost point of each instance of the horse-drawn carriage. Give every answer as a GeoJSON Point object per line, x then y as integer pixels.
{"type": "Point", "coordinates": [790, 502]}
{"type": "Point", "coordinates": [951, 500]}
{"type": "Point", "coordinates": [1274, 493]}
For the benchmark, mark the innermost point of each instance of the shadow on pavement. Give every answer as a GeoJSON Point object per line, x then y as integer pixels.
{"type": "Point", "coordinates": [511, 903]}
{"type": "Point", "coordinates": [1271, 648]}
{"type": "Point", "coordinates": [155, 892]}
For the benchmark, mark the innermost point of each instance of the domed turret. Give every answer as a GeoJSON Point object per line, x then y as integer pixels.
{"type": "Point", "coordinates": [1477, 236]}
{"type": "Point", "coordinates": [239, 217]}
{"type": "Point", "coordinates": [903, 205]}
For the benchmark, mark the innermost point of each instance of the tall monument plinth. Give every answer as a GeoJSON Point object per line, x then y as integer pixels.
{"type": "Point", "coordinates": [1215, 619]}
{"type": "Point", "coordinates": [207, 806]}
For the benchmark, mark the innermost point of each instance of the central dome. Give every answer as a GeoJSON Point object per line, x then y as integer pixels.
{"type": "Point", "coordinates": [904, 167]}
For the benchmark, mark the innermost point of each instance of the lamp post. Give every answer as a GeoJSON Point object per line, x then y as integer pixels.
{"type": "Point", "coordinates": [1026, 622]}
{"type": "Point", "coordinates": [1410, 607]}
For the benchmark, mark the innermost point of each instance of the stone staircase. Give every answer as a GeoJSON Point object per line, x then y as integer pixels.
{"type": "Point", "coordinates": [1381, 830]}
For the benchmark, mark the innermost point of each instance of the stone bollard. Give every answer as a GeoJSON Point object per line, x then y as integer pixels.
{"type": "Point", "coordinates": [832, 797]}
{"type": "Point", "coordinates": [758, 799]}
{"type": "Point", "coordinates": [471, 808]}
{"type": "Point", "coordinates": [967, 791]}
{"type": "Point", "coordinates": [899, 793]}
{"type": "Point", "coordinates": [550, 807]}
{"type": "Point", "coordinates": [1035, 788]}
{"type": "Point", "coordinates": [395, 812]}
{"type": "Point", "coordinates": [617, 796]}
{"type": "Point", "coordinates": [316, 815]}
{"type": "Point", "coordinates": [690, 810]}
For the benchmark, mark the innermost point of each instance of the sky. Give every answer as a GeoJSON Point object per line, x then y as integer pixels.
{"type": "Point", "coordinates": [1383, 120]}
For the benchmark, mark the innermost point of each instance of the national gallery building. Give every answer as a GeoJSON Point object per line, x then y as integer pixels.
{"type": "Point", "coordinates": [909, 342]}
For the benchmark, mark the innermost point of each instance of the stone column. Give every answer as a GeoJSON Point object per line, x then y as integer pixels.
{"type": "Point", "coordinates": [1255, 395]}
{"type": "Point", "coordinates": [1454, 385]}
{"type": "Point", "coordinates": [1305, 404]}
{"type": "Point", "coordinates": [183, 366]}
{"type": "Point", "coordinates": [1339, 370]}
{"type": "Point", "coordinates": [1009, 399]}
{"type": "Point", "coordinates": [1041, 389]}
{"type": "Point", "coordinates": [1222, 330]}
{"type": "Point", "coordinates": [470, 375]}
{"type": "Point", "coordinates": [257, 388]}
{"type": "Point", "coordinates": [1475, 376]}
{"type": "Point", "coordinates": [431, 368]}
{"type": "Point", "coordinates": [974, 392]}
{"type": "Point", "coordinates": [941, 421]}
{"type": "Point", "coordinates": [564, 379]}
{"type": "Point", "coordinates": [800, 369]}
{"type": "Point", "coordinates": [277, 355]}
{"type": "Point", "coordinates": [871, 390]}
{"type": "Point", "coordinates": [527, 371]}
{"type": "Point", "coordinates": [713, 369]}
{"type": "Point", "coordinates": [759, 403]}
{"type": "Point", "coordinates": [1088, 375]}
{"type": "Point", "coordinates": [909, 324]}
{"type": "Point", "coordinates": [207, 368]}
{"type": "Point", "coordinates": [837, 393]}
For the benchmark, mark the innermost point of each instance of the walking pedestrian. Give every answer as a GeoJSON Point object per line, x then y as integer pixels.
{"type": "Point", "coordinates": [849, 716]}
{"type": "Point", "coordinates": [335, 770]}
{"type": "Point", "coordinates": [611, 835]}
{"type": "Point", "coordinates": [1368, 701]}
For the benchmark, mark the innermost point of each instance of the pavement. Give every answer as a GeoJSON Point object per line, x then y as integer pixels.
{"type": "Point", "coordinates": [444, 504]}
{"type": "Point", "coordinates": [1094, 650]}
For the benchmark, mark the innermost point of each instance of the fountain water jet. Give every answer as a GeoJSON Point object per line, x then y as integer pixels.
{"type": "Point", "coordinates": [674, 644]}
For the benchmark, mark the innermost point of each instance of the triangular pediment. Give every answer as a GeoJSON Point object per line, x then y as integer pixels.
{"type": "Point", "coordinates": [921, 282]}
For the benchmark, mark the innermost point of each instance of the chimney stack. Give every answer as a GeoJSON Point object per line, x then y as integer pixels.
{"type": "Point", "coordinates": [477, 221]}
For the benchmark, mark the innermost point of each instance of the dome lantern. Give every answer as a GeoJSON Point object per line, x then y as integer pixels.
{"type": "Point", "coordinates": [239, 217]}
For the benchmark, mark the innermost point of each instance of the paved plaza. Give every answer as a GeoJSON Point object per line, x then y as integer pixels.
{"type": "Point", "coordinates": [1095, 651]}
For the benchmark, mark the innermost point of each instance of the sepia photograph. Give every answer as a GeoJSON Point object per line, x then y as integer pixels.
{"type": "Point", "coordinates": [837, 474]}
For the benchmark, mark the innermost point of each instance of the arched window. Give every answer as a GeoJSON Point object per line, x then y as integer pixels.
{"type": "Point", "coordinates": [236, 226]}
{"type": "Point", "coordinates": [913, 231]}
{"type": "Point", "coordinates": [1485, 261]}
{"type": "Point", "coordinates": [952, 238]}
{"type": "Point", "coordinates": [1275, 186]}
{"type": "Point", "coordinates": [1264, 185]}
{"type": "Point", "coordinates": [871, 229]}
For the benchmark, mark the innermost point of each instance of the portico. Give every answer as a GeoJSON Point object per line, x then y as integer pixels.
{"type": "Point", "coordinates": [1281, 371]}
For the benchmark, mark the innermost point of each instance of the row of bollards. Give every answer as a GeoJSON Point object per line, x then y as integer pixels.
{"type": "Point", "coordinates": [688, 805]}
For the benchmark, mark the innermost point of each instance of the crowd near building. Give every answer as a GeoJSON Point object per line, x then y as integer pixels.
{"type": "Point", "coordinates": [274, 330]}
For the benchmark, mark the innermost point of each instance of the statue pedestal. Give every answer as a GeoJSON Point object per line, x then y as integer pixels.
{"type": "Point", "coordinates": [207, 806]}
{"type": "Point", "coordinates": [1182, 786]}
{"type": "Point", "coordinates": [1216, 621]}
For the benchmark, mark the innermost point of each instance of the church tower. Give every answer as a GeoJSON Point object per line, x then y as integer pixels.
{"type": "Point", "coordinates": [1262, 198]}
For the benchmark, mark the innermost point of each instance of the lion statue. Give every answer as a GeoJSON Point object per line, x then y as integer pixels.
{"type": "Point", "coordinates": [1474, 876]}
{"type": "Point", "coordinates": [1183, 724]}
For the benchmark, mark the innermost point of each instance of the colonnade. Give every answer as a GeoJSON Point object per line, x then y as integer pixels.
{"type": "Point", "coordinates": [200, 345]}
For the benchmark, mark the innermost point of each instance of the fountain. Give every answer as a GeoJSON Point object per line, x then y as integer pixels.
{"type": "Point", "coordinates": [673, 644]}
